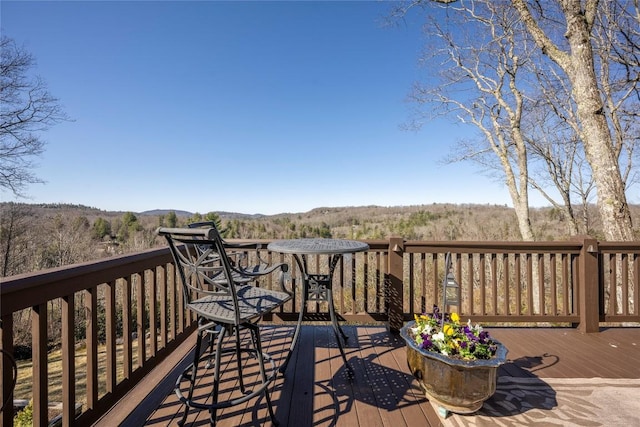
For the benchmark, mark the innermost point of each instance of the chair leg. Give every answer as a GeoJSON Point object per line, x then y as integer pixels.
{"type": "Point", "coordinates": [239, 360]}
{"type": "Point", "coordinates": [255, 333]}
{"type": "Point", "coordinates": [211, 344]}
{"type": "Point", "coordinates": [294, 340]}
{"type": "Point", "coordinates": [192, 375]}
{"type": "Point", "coordinates": [216, 374]}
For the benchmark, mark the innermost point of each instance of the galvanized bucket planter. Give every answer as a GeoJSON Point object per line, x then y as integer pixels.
{"type": "Point", "coordinates": [454, 385]}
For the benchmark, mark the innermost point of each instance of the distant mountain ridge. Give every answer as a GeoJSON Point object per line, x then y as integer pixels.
{"type": "Point", "coordinates": [187, 214]}
{"type": "Point", "coordinates": [82, 209]}
{"type": "Point", "coordinates": [165, 212]}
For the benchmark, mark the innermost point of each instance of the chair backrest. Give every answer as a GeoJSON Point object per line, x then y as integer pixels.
{"type": "Point", "coordinates": [202, 263]}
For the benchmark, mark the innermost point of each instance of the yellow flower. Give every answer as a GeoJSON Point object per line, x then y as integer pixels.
{"type": "Point", "coordinates": [448, 330]}
{"type": "Point", "coordinates": [455, 317]}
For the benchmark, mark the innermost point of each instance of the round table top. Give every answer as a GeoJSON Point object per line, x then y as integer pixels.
{"type": "Point", "coordinates": [317, 246]}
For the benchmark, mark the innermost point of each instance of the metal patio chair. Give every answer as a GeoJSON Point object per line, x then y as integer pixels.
{"type": "Point", "coordinates": [226, 302]}
{"type": "Point", "coordinates": [238, 252]}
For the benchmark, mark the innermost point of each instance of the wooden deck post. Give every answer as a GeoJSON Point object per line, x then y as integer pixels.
{"type": "Point", "coordinates": [395, 284]}
{"type": "Point", "coordinates": [588, 286]}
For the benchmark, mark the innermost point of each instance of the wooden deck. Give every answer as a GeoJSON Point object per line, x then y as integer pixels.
{"type": "Point", "coordinates": [316, 390]}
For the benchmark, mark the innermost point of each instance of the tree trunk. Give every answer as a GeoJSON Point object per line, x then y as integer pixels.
{"type": "Point", "coordinates": [580, 69]}
{"type": "Point", "coordinates": [598, 144]}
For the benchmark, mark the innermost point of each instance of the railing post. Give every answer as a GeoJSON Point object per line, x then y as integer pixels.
{"type": "Point", "coordinates": [6, 369]}
{"type": "Point", "coordinates": [588, 286]}
{"type": "Point", "coordinates": [395, 284]}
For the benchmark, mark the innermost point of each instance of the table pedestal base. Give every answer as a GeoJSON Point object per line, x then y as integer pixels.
{"type": "Point", "coordinates": [318, 288]}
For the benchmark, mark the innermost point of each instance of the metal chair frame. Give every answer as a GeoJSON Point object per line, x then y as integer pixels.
{"type": "Point", "coordinates": [221, 294]}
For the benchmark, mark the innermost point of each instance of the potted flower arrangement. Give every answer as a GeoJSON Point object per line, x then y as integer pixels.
{"type": "Point", "coordinates": [456, 364]}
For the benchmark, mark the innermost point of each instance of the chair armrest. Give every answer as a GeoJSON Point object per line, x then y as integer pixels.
{"type": "Point", "coordinates": [258, 271]}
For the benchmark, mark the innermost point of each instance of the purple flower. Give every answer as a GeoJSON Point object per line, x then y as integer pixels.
{"type": "Point", "coordinates": [436, 312]}
{"type": "Point", "coordinates": [426, 343]}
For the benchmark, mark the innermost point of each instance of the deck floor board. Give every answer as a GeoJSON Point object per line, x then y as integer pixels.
{"type": "Point", "coordinates": [316, 390]}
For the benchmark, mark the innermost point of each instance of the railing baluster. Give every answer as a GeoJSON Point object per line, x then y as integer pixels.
{"type": "Point", "coordinates": [412, 303]}
{"type": "Point", "coordinates": [505, 284]}
{"type": "Point", "coordinates": [541, 286]}
{"type": "Point", "coordinates": [180, 305]}
{"type": "Point", "coordinates": [153, 304]}
{"type": "Point", "coordinates": [518, 278]}
{"type": "Point", "coordinates": [470, 284]}
{"type": "Point", "coordinates": [565, 284]}
{"type": "Point", "coordinates": [382, 267]}
{"type": "Point", "coordinates": [365, 282]}
{"type": "Point", "coordinates": [613, 280]}
{"type": "Point", "coordinates": [162, 295]}
{"type": "Point", "coordinates": [340, 293]}
{"type": "Point", "coordinates": [39, 365]}
{"type": "Point", "coordinates": [483, 284]}
{"type": "Point", "coordinates": [624, 303]}
{"type": "Point", "coordinates": [126, 328]}
{"type": "Point", "coordinates": [636, 285]}
{"type": "Point", "coordinates": [91, 304]}
{"type": "Point", "coordinates": [494, 283]}
{"type": "Point", "coordinates": [110, 335]}
{"type": "Point", "coordinates": [575, 283]}
{"type": "Point", "coordinates": [140, 318]}
{"type": "Point", "coordinates": [171, 295]}
{"type": "Point", "coordinates": [379, 292]}
{"type": "Point", "coordinates": [529, 284]}
{"type": "Point", "coordinates": [68, 360]}
{"type": "Point", "coordinates": [553, 277]}
{"type": "Point", "coordinates": [435, 283]}
{"type": "Point", "coordinates": [353, 285]}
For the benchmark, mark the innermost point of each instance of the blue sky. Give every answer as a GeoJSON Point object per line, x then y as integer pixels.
{"type": "Point", "coordinates": [254, 107]}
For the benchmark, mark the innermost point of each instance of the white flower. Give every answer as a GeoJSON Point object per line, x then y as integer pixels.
{"type": "Point", "coordinates": [438, 337]}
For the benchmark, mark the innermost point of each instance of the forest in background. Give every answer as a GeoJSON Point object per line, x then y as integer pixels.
{"type": "Point", "coordinates": [39, 236]}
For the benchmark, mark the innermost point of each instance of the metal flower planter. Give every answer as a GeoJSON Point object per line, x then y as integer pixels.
{"type": "Point", "coordinates": [454, 385]}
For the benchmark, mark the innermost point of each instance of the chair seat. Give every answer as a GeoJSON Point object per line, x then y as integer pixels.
{"type": "Point", "coordinates": [253, 302]}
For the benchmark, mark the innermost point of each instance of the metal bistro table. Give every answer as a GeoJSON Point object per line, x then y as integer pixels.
{"type": "Point", "coordinates": [317, 287]}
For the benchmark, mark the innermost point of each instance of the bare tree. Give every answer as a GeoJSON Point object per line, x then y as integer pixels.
{"type": "Point", "coordinates": [557, 156]}
{"type": "Point", "coordinates": [577, 59]}
{"type": "Point", "coordinates": [564, 31]}
{"type": "Point", "coordinates": [616, 41]}
{"type": "Point", "coordinates": [15, 222]}
{"type": "Point", "coordinates": [480, 64]}
{"type": "Point", "coordinates": [26, 109]}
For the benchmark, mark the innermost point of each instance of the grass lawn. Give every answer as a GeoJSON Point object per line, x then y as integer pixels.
{"type": "Point", "coordinates": [25, 375]}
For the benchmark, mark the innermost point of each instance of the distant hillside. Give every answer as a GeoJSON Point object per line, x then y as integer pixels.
{"type": "Point", "coordinates": [437, 221]}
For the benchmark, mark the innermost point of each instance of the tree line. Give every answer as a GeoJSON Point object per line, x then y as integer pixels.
{"type": "Point", "coordinates": [37, 237]}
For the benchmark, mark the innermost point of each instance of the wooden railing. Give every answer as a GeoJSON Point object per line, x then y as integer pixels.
{"type": "Point", "coordinates": [130, 312]}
